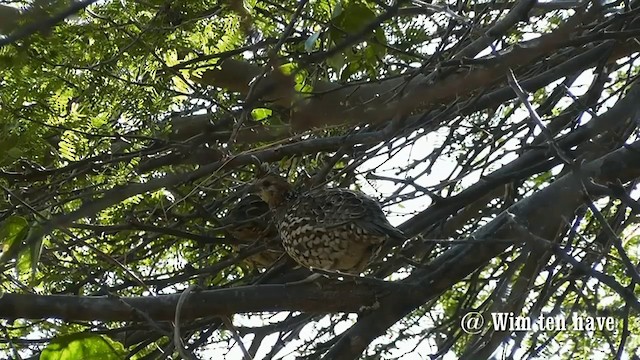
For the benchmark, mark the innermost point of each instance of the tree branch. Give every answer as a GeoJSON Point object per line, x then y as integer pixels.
{"type": "Point", "coordinates": [332, 297]}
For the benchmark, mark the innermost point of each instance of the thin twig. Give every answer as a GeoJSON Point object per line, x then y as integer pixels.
{"type": "Point", "coordinates": [229, 324]}
{"type": "Point", "coordinates": [617, 242]}
{"type": "Point", "coordinates": [177, 339]}
{"type": "Point", "coordinates": [524, 98]}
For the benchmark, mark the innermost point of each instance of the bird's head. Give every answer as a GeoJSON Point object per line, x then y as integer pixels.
{"type": "Point", "coordinates": [273, 189]}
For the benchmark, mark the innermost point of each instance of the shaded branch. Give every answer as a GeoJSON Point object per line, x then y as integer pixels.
{"type": "Point", "coordinates": [340, 297]}
{"type": "Point", "coordinates": [45, 24]}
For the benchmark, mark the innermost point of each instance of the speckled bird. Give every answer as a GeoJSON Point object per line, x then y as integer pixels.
{"type": "Point", "coordinates": [249, 222]}
{"type": "Point", "coordinates": [331, 229]}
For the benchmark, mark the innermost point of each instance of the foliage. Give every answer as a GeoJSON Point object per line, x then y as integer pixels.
{"type": "Point", "coordinates": [130, 129]}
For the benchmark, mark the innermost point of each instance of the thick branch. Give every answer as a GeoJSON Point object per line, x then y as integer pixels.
{"type": "Point", "coordinates": [340, 297]}
{"type": "Point", "coordinates": [9, 18]}
{"type": "Point", "coordinates": [333, 104]}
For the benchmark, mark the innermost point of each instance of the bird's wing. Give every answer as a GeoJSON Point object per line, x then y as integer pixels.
{"type": "Point", "coordinates": [337, 207]}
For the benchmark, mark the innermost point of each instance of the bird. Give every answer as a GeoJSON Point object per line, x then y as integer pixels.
{"type": "Point", "coordinates": [248, 222]}
{"type": "Point", "coordinates": [331, 229]}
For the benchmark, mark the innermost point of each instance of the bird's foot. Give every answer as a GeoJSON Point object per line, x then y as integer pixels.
{"type": "Point", "coordinates": [341, 276]}
{"type": "Point", "coordinates": [309, 279]}
{"type": "Point", "coordinates": [335, 274]}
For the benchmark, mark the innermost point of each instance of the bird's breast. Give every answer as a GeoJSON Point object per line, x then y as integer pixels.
{"type": "Point", "coordinates": [346, 247]}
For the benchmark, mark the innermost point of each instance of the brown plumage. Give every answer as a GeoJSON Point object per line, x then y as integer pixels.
{"type": "Point", "coordinates": [249, 222]}
{"type": "Point", "coordinates": [332, 229]}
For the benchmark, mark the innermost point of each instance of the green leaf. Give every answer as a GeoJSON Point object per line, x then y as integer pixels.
{"type": "Point", "coordinates": [29, 254]}
{"type": "Point", "coordinates": [354, 17]}
{"type": "Point", "coordinates": [337, 10]}
{"type": "Point", "coordinates": [261, 113]}
{"type": "Point", "coordinates": [8, 150]}
{"type": "Point", "coordinates": [67, 145]}
{"type": "Point", "coordinates": [35, 240]}
{"type": "Point", "coordinates": [288, 68]}
{"type": "Point", "coordinates": [83, 346]}
{"type": "Point", "coordinates": [337, 62]}
{"type": "Point", "coordinates": [309, 44]}
{"type": "Point", "coordinates": [13, 232]}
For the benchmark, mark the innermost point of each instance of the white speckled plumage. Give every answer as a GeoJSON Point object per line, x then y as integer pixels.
{"type": "Point", "coordinates": [332, 229]}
